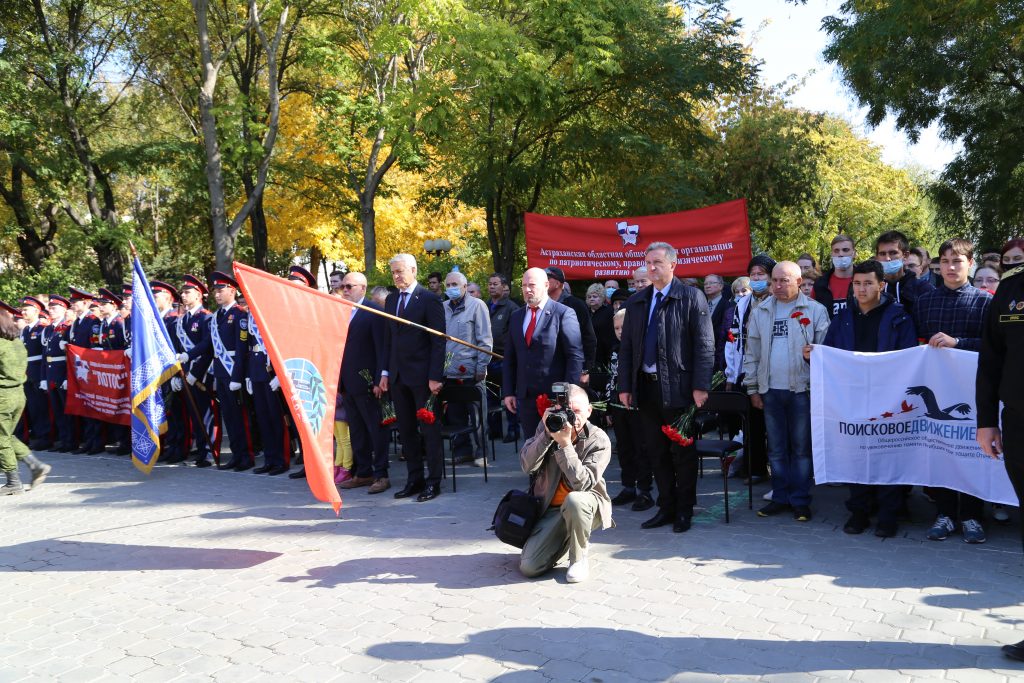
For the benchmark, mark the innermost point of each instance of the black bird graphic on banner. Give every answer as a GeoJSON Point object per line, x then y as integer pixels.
{"type": "Point", "coordinates": [932, 409]}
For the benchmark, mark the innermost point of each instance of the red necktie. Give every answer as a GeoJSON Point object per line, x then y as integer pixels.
{"type": "Point", "coordinates": [533, 324]}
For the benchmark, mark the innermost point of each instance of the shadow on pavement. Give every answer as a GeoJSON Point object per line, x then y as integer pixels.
{"type": "Point", "coordinates": [444, 571]}
{"type": "Point", "coordinates": [78, 556]}
{"type": "Point", "coordinates": [637, 656]}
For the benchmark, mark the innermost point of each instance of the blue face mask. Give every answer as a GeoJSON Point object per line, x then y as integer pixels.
{"type": "Point", "coordinates": [453, 292]}
{"type": "Point", "coordinates": [758, 286]}
{"type": "Point", "coordinates": [892, 267]}
{"type": "Point", "coordinates": [609, 291]}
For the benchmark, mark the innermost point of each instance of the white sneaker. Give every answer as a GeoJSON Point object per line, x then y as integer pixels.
{"type": "Point", "coordinates": [478, 462]}
{"type": "Point", "coordinates": [768, 496]}
{"type": "Point", "coordinates": [578, 571]}
{"type": "Point", "coordinates": [1000, 514]}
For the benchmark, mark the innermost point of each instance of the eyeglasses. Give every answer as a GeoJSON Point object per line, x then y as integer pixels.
{"type": "Point", "coordinates": [347, 286]}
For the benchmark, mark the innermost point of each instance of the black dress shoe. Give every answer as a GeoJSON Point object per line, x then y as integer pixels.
{"type": "Point", "coordinates": [431, 492]}
{"type": "Point", "coordinates": [229, 465]}
{"type": "Point", "coordinates": [96, 450]}
{"type": "Point", "coordinates": [243, 466]}
{"type": "Point", "coordinates": [625, 496]}
{"type": "Point", "coordinates": [61, 447]}
{"type": "Point", "coordinates": [642, 502]}
{"type": "Point", "coordinates": [1015, 651]}
{"type": "Point", "coordinates": [410, 488]}
{"type": "Point", "coordinates": [174, 459]}
{"type": "Point", "coordinates": [79, 450]}
{"type": "Point", "coordinates": [298, 474]}
{"type": "Point", "coordinates": [123, 450]}
{"type": "Point", "coordinates": [203, 463]}
{"type": "Point", "coordinates": [263, 469]}
{"type": "Point", "coordinates": [661, 519]}
{"type": "Point", "coordinates": [681, 524]}
{"type": "Point", "coordinates": [280, 469]}
{"type": "Point", "coordinates": [40, 445]}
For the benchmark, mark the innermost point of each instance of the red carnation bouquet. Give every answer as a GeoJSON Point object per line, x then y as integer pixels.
{"type": "Point", "coordinates": [805, 322]}
{"type": "Point", "coordinates": [681, 431]}
{"type": "Point", "coordinates": [426, 414]}
{"type": "Point", "coordinates": [543, 403]}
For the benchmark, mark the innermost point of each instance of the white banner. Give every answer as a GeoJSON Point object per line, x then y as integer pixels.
{"type": "Point", "coordinates": [904, 417]}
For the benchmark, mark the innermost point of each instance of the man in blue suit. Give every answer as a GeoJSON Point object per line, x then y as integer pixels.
{"type": "Point", "coordinates": [543, 346]}
{"type": "Point", "coordinates": [366, 353]}
{"type": "Point", "coordinates": [416, 373]}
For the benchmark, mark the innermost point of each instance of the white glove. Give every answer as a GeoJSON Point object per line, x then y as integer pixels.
{"type": "Point", "coordinates": [42, 385]}
{"type": "Point", "coordinates": [234, 386]}
{"type": "Point", "coordinates": [182, 357]}
{"type": "Point", "coordinates": [176, 384]}
{"type": "Point", "coordinates": [64, 385]}
{"type": "Point", "coordinates": [275, 384]}
{"type": "Point", "coordinates": [128, 352]}
{"type": "Point", "coordinates": [248, 386]}
{"type": "Point", "coordinates": [191, 379]}
{"type": "Point", "coordinates": [63, 345]}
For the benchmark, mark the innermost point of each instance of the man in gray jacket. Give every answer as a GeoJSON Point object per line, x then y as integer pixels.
{"type": "Point", "coordinates": [465, 318]}
{"type": "Point", "coordinates": [778, 380]}
{"type": "Point", "coordinates": [568, 469]}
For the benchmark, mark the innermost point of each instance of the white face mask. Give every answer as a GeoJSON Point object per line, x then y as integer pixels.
{"type": "Point", "coordinates": [842, 262]}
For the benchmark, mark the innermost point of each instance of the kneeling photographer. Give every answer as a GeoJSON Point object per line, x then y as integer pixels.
{"type": "Point", "coordinates": [566, 460]}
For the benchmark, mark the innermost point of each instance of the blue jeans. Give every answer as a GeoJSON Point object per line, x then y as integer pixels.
{"type": "Point", "coordinates": [787, 417]}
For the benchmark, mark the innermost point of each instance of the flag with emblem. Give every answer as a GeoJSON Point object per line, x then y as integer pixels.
{"type": "Point", "coordinates": [153, 363]}
{"type": "Point", "coordinates": [304, 332]}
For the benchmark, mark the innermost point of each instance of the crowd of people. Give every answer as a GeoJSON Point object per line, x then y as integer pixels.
{"type": "Point", "coordinates": [645, 352]}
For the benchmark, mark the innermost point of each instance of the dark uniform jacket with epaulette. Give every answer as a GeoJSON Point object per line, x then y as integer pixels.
{"type": "Point", "coordinates": [80, 331]}
{"type": "Point", "coordinates": [232, 325]}
{"type": "Point", "coordinates": [257, 364]}
{"type": "Point", "coordinates": [110, 334]}
{"type": "Point", "coordinates": [32, 338]}
{"type": "Point", "coordinates": [196, 328]}
{"type": "Point", "coordinates": [56, 357]}
{"type": "Point", "coordinates": [1001, 358]}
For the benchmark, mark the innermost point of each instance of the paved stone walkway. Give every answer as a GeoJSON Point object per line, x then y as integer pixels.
{"type": "Point", "coordinates": [189, 574]}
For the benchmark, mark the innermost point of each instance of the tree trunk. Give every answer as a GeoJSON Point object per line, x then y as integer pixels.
{"type": "Point", "coordinates": [368, 221]}
{"type": "Point", "coordinates": [257, 223]}
{"type": "Point", "coordinates": [315, 257]}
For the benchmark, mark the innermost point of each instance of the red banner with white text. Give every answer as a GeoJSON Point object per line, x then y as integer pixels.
{"type": "Point", "coordinates": [304, 332]}
{"type": "Point", "coordinates": [99, 385]}
{"type": "Point", "coordinates": [713, 239]}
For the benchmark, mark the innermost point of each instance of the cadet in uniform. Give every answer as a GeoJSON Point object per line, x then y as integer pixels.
{"type": "Point", "coordinates": [37, 404]}
{"type": "Point", "coordinates": [80, 334]}
{"type": "Point", "coordinates": [229, 339]}
{"type": "Point", "coordinates": [192, 341]}
{"type": "Point", "coordinates": [1001, 378]}
{"type": "Point", "coordinates": [56, 372]}
{"type": "Point", "coordinates": [112, 337]}
{"type": "Point", "coordinates": [173, 441]}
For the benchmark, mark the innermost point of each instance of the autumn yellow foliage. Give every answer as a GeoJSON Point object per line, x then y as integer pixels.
{"type": "Point", "coordinates": [306, 215]}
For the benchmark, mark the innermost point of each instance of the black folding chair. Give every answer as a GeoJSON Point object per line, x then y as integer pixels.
{"type": "Point", "coordinates": [472, 395]}
{"type": "Point", "coordinates": [724, 403]}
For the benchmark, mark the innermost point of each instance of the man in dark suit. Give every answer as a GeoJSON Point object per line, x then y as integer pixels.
{"type": "Point", "coordinates": [543, 346]}
{"type": "Point", "coordinates": [665, 366]}
{"type": "Point", "coordinates": [557, 291]}
{"type": "Point", "coordinates": [366, 354]}
{"type": "Point", "coordinates": [415, 375]}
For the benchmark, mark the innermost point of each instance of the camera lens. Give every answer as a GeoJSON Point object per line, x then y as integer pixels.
{"type": "Point", "coordinates": [555, 422]}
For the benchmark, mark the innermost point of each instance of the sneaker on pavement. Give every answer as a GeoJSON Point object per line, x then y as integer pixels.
{"type": "Point", "coordinates": [772, 508]}
{"type": "Point", "coordinates": [973, 531]}
{"type": "Point", "coordinates": [579, 571]}
{"type": "Point", "coordinates": [941, 530]}
{"type": "Point", "coordinates": [1000, 514]}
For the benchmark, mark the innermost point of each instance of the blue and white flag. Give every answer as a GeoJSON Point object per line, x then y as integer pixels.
{"type": "Point", "coordinates": [153, 363]}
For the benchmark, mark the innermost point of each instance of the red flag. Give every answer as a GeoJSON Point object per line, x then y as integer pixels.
{"type": "Point", "coordinates": [304, 331]}
{"type": "Point", "coordinates": [99, 385]}
{"type": "Point", "coordinates": [713, 239]}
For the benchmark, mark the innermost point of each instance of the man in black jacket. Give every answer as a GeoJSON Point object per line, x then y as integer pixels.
{"type": "Point", "coordinates": [1000, 378]}
{"type": "Point", "coordinates": [832, 289]}
{"type": "Point", "coordinates": [666, 358]}
{"type": "Point", "coordinates": [501, 307]}
{"type": "Point", "coordinates": [556, 291]}
{"type": "Point", "coordinates": [891, 250]}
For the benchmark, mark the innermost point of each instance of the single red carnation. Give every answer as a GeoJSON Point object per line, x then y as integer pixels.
{"type": "Point", "coordinates": [796, 314]}
{"type": "Point", "coordinates": [387, 421]}
{"type": "Point", "coordinates": [730, 337]}
{"type": "Point", "coordinates": [462, 368]}
{"type": "Point", "coordinates": [543, 403]}
{"type": "Point", "coordinates": [425, 416]}
{"type": "Point", "coordinates": [805, 321]}
{"type": "Point", "coordinates": [922, 340]}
